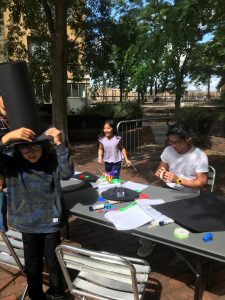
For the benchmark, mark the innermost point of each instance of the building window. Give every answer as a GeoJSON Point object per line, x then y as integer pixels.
{"type": "Point", "coordinates": [76, 90]}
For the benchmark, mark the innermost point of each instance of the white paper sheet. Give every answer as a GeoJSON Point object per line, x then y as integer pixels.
{"type": "Point", "coordinates": [129, 219]}
{"type": "Point", "coordinates": [134, 186]}
{"type": "Point", "coordinates": [156, 216]}
{"type": "Point", "coordinates": [137, 215]}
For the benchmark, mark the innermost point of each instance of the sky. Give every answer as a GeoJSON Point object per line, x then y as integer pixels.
{"type": "Point", "coordinates": [213, 84]}
{"type": "Point", "coordinates": [214, 79]}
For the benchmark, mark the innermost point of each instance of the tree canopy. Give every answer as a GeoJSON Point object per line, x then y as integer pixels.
{"type": "Point", "coordinates": [148, 46]}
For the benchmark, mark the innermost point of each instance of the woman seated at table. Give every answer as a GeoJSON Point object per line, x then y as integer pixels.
{"type": "Point", "coordinates": [183, 167]}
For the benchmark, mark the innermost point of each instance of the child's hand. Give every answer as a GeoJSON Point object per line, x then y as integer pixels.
{"type": "Point", "coordinates": [56, 134]}
{"type": "Point", "coordinates": [100, 160]}
{"type": "Point", "coordinates": [128, 162]}
{"type": "Point", "coordinates": [2, 182]}
{"type": "Point", "coordinates": [22, 133]}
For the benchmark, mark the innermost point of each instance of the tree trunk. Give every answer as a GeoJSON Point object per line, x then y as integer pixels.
{"type": "Point", "coordinates": [179, 91]}
{"type": "Point", "coordinates": [59, 69]}
{"type": "Point", "coordinates": [121, 92]}
{"type": "Point", "coordinates": [178, 94]}
{"type": "Point", "coordinates": [177, 103]}
{"type": "Point", "coordinates": [208, 89]}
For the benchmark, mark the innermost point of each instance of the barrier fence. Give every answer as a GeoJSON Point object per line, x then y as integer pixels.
{"type": "Point", "coordinates": [142, 136]}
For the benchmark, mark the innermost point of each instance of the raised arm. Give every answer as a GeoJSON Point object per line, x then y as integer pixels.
{"type": "Point", "coordinates": [55, 134]}
{"type": "Point", "coordinates": [65, 168]}
{"type": "Point", "coordinates": [22, 133]}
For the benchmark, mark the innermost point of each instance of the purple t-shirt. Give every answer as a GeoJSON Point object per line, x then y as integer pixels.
{"type": "Point", "coordinates": [112, 152]}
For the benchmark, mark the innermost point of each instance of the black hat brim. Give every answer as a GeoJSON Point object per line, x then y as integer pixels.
{"type": "Point", "coordinates": [41, 138]}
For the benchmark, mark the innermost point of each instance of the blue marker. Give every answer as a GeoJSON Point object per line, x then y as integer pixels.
{"type": "Point", "coordinates": [100, 206]}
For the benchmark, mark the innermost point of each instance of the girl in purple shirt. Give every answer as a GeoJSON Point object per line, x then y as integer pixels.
{"type": "Point", "coordinates": [111, 150]}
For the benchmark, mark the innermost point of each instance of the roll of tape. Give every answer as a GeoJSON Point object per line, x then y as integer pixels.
{"type": "Point", "coordinates": [181, 233]}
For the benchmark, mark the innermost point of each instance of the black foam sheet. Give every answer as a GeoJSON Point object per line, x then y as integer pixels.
{"type": "Point", "coordinates": [18, 96]}
{"type": "Point", "coordinates": [198, 214]}
{"type": "Point", "coordinates": [120, 194]}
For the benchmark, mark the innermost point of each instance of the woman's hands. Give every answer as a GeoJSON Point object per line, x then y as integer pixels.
{"type": "Point", "coordinates": [166, 176]}
{"type": "Point", "coordinates": [160, 172]}
{"type": "Point", "coordinates": [170, 177]}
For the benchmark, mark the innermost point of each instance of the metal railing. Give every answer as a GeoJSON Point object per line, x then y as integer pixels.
{"type": "Point", "coordinates": [142, 136]}
{"type": "Point", "coordinates": [156, 100]}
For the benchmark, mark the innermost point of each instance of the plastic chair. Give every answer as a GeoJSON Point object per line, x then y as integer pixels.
{"type": "Point", "coordinates": [102, 275]}
{"type": "Point", "coordinates": [11, 252]}
{"type": "Point", "coordinates": [211, 178]}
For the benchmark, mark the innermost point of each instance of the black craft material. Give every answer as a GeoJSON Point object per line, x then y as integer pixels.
{"type": "Point", "coordinates": [120, 194]}
{"type": "Point", "coordinates": [199, 214]}
{"type": "Point", "coordinates": [17, 92]}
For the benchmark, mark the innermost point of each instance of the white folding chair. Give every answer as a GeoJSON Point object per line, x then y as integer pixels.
{"type": "Point", "coordinates": [211, 178]}
{"type": "Point", "coordinates": [102, 275]}
{"type": "Point", "coordinates": [11, 252]}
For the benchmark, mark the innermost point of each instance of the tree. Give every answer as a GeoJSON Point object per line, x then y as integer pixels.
{"type": "Point", "coordinates": [201, 68]}
{"type": "Point", "coordinates": [145, 54]}
{"type": "Point", "coordinates": [59, 65]}
{"type": "Point", "coordinates": [97, 43]}
{"type": "Point", "coordinates": [182, 31]}
{"type": "Point", "coordinates": [124, 39]}
{"type": "Point", "coordinates": [46, 23]}
{"type": "Point", "coordinates": [171, 31]}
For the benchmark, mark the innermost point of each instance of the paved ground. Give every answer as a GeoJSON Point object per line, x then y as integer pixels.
{"type": "Point", "coordinates": [170, 279]}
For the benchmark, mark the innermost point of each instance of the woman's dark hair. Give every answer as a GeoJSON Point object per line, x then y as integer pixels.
{"type": "Point", "coordinates": [181, 131]}
{"type": "Point", "coordinates": [112, 124]}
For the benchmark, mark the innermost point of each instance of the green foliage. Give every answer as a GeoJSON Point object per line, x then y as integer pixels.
{"type": "Point", "coordinates": [124, 111]}
{"type": "Point", "coordinates": [195, 118]}
{"type": "Point", "coordinates": [127, 111]}
{"type": "Point", "coordinates": [222, 95]}
{"type": "Point", "coordinates": [221, 117]}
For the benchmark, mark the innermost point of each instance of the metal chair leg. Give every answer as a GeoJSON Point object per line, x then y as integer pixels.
{"type": "Point", "coordinates": [25, 292]}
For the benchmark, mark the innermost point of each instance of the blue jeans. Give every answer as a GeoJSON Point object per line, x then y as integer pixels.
{"type": "Point", "coordinates": [3, 212]}
{"type": "Point", "coordinates": [113, 167]}
{"type": "Point", "coordinates": [36, 247]}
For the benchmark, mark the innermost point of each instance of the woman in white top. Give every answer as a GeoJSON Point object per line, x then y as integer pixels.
{"type": "Point", "coordinates": [183, 166]}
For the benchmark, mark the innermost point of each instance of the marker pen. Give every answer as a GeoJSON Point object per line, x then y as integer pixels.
{"type": "Point", "coordinates": [100, 206]}
{"type": "Point", "coordinates": [96, 207]}
{"type": "Point", "coordinates": [165, 222]}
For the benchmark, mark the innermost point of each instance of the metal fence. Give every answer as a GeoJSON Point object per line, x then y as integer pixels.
{"type": "Point", "coordinates": [157, 100]}
{"type": "Point", "coordinates": [142, 136]}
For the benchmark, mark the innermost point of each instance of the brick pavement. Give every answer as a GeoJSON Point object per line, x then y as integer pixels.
{"type": "Point", "coordinates": [170, 279]}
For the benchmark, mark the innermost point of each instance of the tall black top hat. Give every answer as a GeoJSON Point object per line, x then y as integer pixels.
{"type": "Point", "coordinates": [17, 92]}
{"type": "Point", "coordinates": [18, 96]}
